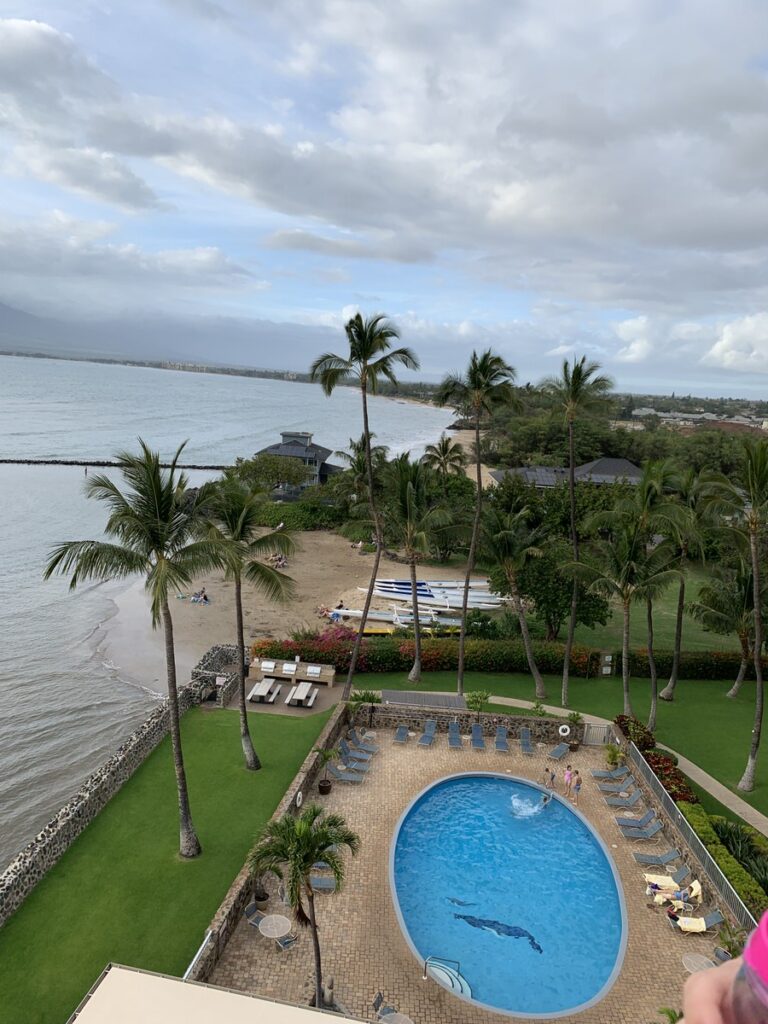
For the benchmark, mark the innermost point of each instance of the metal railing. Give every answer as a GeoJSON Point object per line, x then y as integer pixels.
{"type": "Point", "coordinates": [720, 883]}
{"type": "Point", "coordinates": [196, 957]}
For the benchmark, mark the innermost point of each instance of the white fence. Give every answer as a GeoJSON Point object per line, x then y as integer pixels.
{"type": "Point", "coordinates": [597, 735]}
{"type": "Point", "coordinates": [720, 883]}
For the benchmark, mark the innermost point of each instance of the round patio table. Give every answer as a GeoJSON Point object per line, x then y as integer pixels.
{"type": "Point", "coordinates": [694, 962]}
{"type": "Point", "coordinates": [397, 1018]}
{"type": "Point", "coordinates": [275, 926]}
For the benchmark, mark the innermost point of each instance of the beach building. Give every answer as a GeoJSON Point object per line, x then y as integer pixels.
{"type": "Point", "coordinates": [299, 444]}
{"type": "Point", "coordinates": [600, 471]}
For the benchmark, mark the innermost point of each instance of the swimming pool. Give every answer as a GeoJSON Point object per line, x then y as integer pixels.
{"type": "Point", "coordinates": [525, 899]}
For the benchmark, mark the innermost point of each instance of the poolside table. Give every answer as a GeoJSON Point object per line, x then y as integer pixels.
{"type": "Point", "coordinates": [398, 1018]}
{"type": "Point", "coordinates": [275, 926]}
{"type": "Point", "coordinates": [694, 962]}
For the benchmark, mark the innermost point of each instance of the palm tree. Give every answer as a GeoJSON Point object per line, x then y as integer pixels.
{"type": "Point", "coordinates": [725, 605]}
{"type": "Point", "coordinates": [508, 542]}
{"type": "Point", "coordinates": [371, 358]}
{"type": "Point", "coordinates": [288, 848]}
{"type": "Point", "coordinates": [579, 390]}
{"type": "Point", "coordinates": [233, 525]}
{"type": "Point", "coordinates": [744, 502]}
{"type": "Point", "coordinates": [653, 569]}
{"type": "Point", "coordinates": [151, 525]}
{"type": "Point", "coordinates": [447, 457]}
{"type": "Point", "coordinates": [486, 384]}
{"type": "Point", "coordinates": [414, 522]}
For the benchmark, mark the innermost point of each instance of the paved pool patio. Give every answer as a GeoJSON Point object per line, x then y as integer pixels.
{"type": "Point", "coordinates": [362, 945]}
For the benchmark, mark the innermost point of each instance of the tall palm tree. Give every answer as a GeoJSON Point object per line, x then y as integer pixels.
{"type": "Point", "coordinates": [508, 542]}
{"type": "Point", "coordinates": [655, 565]}
{"type": "Point", "coordinates": [743, 501]}
{"type": "Point", "coordinates": [151, 525]}
{"type": "Point", "coordinates": [414, 522]}
{"type": "Point", "coordinates": [487, 383]}
{"type": "Point", "coordinates": [447, 457]}
{"type": "Point", "coordinates": [579, 391]}
{"type": "Point", "coordinates": [288, 848]}
{"type": "Point", "coordinates": [233, 525]}
{"type": "Point", "coordinates": [371, 358]}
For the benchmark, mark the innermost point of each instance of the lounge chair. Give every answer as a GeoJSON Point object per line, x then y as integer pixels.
{"type": "Point", "coordinates": [525, 741]}
{"type": "Point", "coordinates": [355, 755]}
{"type": "Point", "coordinates": [286, 942]}
{"type": "Point", "coordinates": [322, 883]}
{"type": "Point", "coordinates": [617, 773]}
{"type": "Point", "coordinates": [345, 776]}
{"type": "Point", "coordinates": [673, 881]}
{"type": "Point", "coordinates": [478, 740]}
{"type": "Point", "coordinates": [455, 741]}
{"type": "Point", "coordinates": [401, 734]}
{"type": "Point", "coordinates": [380, 1008]}
{"type": "Point", "coordinates": [697, 925]}
{"type": "Point", "coordinates": [502, 742]}
{"type": "Point", "coordinates": [558, 753]}
{"type": "Point", "coordinates": [355, 766]}
{"type": "Point", "coordinates": [643, 822]}
{"type": "Point", "coordinates": [361, 744]}
{"type": "Point", "coordinates": [643, 833]}
{"type": "Point", "coordinates": [632, 800]}
{"type": "Point", "coordinates": [427, 738]}
{"type": "Point", "coordinates": [617, 787]}
{"type": "Point", "coordinates": [657, 859]}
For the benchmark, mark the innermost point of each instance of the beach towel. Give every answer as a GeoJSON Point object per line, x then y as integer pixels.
{"type": "Point", "coordinates": [691, 924]}
{"type": "Point", "coordinates": [663, 881]}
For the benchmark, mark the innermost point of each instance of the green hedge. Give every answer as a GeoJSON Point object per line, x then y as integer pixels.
{"type": "Point", "coordinates": [693, 664]}
{"type": "Point", "coordinates": [753, 896]}
{"type": "Point", "coordinates": [299, 515]}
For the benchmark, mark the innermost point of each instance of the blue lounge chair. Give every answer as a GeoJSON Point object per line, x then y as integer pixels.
{"type": "Point", "coordinates": [380, 1008]}
{"type": "Point", "coordinates": [454, 736]}
{"type": "Point", "coordinates": [711, 921]}
{"type": "Point", "coordinates": [617, 773]}
{"type": "Point", "coordinates": [478, 740]}
{"type": "Point", "coordinates": [657, 859]}
{"type": "Point", "coordinates": [525, 740]}
{"type": "Point", "coordinates": [401, 734]}
{"type": "Point", "coordinates": [354, 765]}
{"type": "Point", "coordinates": [286, 942]}
{"type": "Point", "coordinates": [322, 883]}
{"type": "Point", "coordinates": [617, 787]}
{"type": "Point", "coordinates": [427, 738]}
{"type": "Point", "coordinates": [502, 742]}
{"type": "Point", "coordinates": [643, 822]}
{"type": "Point", "coordinates": [346, 776]}
{"type": "Point", "coordinates": [559, 752]}
{"type": "Point", "coordinates": [643, 833]}
{"type": "Point", "coordinates": [355, 755]}
{"type": "Point", "coordinates": [361, 744]}
{"type": "Point", "coordinates": [624, 801]}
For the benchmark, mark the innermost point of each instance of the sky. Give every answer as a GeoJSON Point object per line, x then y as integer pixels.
{"type": "Point", "coordinates": [542, 177]}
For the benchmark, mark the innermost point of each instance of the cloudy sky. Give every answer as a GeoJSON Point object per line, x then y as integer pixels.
{"type": "Point", "coordinates": [542, 176]}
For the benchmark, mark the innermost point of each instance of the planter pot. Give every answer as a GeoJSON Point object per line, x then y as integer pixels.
{"type": "Point", "coordinates": [573, 746]}
{"type": "Point", "coordinates": [261, 900]}
{"type": "Point", "coordinates": [324, 785]}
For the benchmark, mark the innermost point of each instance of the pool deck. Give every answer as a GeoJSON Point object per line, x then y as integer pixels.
{"type": "Point", "coordinates": [362, 945]}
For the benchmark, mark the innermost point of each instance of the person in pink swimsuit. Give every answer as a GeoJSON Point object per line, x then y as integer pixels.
{"type": "Point", "coordinates": [568, 778]}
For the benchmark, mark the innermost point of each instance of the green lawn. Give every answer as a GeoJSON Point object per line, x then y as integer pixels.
{"type": "Point", "coordinates": [704, 725]}
{"type": "Point", "coordinates": [121, 892]}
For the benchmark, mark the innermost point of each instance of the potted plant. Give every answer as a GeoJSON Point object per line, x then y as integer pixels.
{"type": "Point", "coordinates": [614, 756]}
{"type": "Point", "coordinates": [259, 894]}
{"type": "Point", "coordinates": [325, 756]}
{"type": "Point", "coordinates": [575, 719]}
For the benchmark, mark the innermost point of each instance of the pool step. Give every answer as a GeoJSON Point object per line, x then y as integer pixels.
{"type": "Point", "coordinates": [442, 972]}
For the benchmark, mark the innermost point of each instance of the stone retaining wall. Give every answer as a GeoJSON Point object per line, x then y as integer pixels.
{"type": "Point", "coordinates": [231, 909]}
{"type": "Point", "coordinates": [210, 666]}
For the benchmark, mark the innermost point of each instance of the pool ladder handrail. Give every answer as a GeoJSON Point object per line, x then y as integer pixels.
{"type": "Point", "coordinates": [445, 966]}
{"type": "Point", "coordinates": [442, 960]}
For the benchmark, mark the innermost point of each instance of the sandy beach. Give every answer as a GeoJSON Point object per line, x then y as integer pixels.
{"type": "Point", "coordinates": [466, 438]}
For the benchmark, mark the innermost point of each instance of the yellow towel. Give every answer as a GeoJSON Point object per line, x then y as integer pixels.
{"type": "Point", "coordinates": [695, 891]}
{"type": "Point", "coordinates": [663, 881]}
{"type": "Point", "coordinates": [691, 924]}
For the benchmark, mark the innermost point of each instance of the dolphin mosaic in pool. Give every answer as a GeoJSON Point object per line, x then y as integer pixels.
{"type": "Point", "coordinates": [500, 928]}
{"type": "Point", "coordinates": [459, 903]}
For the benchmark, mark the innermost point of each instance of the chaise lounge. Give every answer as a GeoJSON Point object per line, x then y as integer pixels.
{"type": "Point", "coordinates": [427, 738]}
{"type": "Point", "coordinates": [345, 776]}
{"type": "Point", "coordinates": [401, 734]}
{"type": "Point", "coordinates": [643, 833]}
{"type": "Point", "coordinates": [454, 736]}
{"type": "Point", "coordinates": [525, 741]}
{"type": "Point", "coordinates": [613, 776]}
{"type": "Point", "coordinates": [657, 859]}
{"type": "Point", "coordinates": [478, 740]}
{"type": "Point", "coordinates": [558, 753]}
{"type": "Point", "coordinates": [502, 742]}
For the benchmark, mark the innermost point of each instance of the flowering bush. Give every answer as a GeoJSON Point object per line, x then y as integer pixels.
{"type": "Point", "coordinates": [671, 778]}
{"type": "Point", "coordinates": [636, 732]}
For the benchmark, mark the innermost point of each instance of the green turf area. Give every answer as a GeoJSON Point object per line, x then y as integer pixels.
{"type": "Point", "coordinates": [702, 723]}
{"type": "Point", "coordinates": [122, 893]}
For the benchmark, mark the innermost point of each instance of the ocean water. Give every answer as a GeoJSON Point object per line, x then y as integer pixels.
{"type": "Point", "coordinates": [65, 705]}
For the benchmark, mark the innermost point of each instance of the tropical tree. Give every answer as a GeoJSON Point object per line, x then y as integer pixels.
{"type": "Point", "coordinates": [413, 521]}
{"type": "Point", "coordinates": [580, 390]}
{"type": "Point", "coordinates": [151, 527]}
{"type": "Point", "coordinates": [371, 358]}
{"type": "Point", "coordinates": [509, 543]}
{"type": "Point", "coordinates": [743, 501]}
{"type": "Point", "coordinates": [288, 848]}
{"type": "Point", "coordinates": [351, 486]}
{"type": "Point", "coordinates": [486, 384]}
{"type": "Point", "coordinates": [232, 523]}
{"type": "Point", "coordinates": [447, 457]}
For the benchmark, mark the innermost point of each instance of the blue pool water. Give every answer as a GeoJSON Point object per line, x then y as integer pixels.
{"type": "Point", "coordinates": [525, 898]}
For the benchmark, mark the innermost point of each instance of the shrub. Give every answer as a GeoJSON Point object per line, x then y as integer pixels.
{"type": "Point", "coordinates": [299, 515]}
{"type": "Point", "coordinates": [750, 892]}
{"type": "Point", "coordinates": [365, 697]}
{"type": "Point", "coordinates": [746, 844]}
{"type": "Point", "coordinates": [671, 778]}
{"type": "Point", "coordinates": [693, 664]}
{"type": "Point", "coordinates": [667, 753]}
{"type": "Point", "coordinates": [636, 732]}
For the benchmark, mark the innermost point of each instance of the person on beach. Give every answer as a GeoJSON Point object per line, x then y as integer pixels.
{"type": "Point", "coordinates": [567, 779]}
{"type": "Point", "coordinates": [576, 780]}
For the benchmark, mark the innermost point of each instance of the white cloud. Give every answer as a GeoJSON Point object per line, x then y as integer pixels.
{"type": "Point", "coordinates": [636, 334]}
{"type": "Point", "coordinates": [742, 345]}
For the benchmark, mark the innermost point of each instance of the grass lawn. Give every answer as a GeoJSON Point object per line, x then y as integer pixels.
{"type": "Point", "coordinates": [121, 892]}
{"type": "Point", "coordinates": [702, 723]}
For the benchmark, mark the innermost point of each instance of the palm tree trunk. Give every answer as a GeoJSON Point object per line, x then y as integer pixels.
{"type": "Point", "coordinates": [252, 762]}
{"type": "Point", "coordinates": [377, 556]}
{"type": "Point", "coordinates": [470, 558]}
{"type": "Point", "coordinates": [517, 604]}
{"type": "Point", "coordinates": [625, 661]}
{"type": "Point", "coordinates": [652, 668]}
{"type": "Point", "coordinates": [414, 675]}
{"type": "Point", "coordinates": [575, 545]}
{"type": "Point", "coordinates": [743, 665]}
{"type": "Point", "coordinates": [316, 948]}
{"type": "Point", "coordinates": [668, 693]}
{"type": "Point", "coordinates": [747, 782]}
{"type": "Point", "coordinates": [189, 844]}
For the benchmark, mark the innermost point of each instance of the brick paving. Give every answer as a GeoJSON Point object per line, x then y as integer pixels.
{"type": "Point", "coordinates": [363, 947]}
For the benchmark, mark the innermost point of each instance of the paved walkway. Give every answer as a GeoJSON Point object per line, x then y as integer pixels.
{"type": "Point", "coordinates": [699, 776]}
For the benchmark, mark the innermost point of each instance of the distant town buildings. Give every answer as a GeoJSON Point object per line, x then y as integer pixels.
{"type": "Point", "coordinates": [697, 418]}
